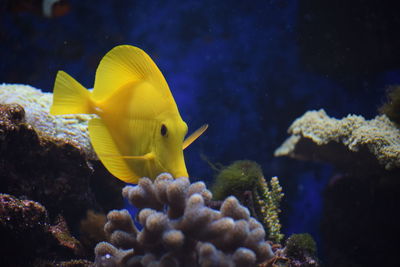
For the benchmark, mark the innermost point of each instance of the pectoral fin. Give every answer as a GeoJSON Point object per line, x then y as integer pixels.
{"type": "Point", "coordinates": [104, 145]}
{"type": "Point", "coordinates": [190, 139]}
{"type": "Point", "coordinates": [147, 156]}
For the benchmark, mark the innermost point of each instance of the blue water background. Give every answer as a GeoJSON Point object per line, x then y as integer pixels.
{"type": "Point", "coordinates": [232, 64]}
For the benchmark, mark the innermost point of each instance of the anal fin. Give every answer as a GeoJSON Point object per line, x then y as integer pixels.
{"type": "Point", "coordinates": [104, 145]}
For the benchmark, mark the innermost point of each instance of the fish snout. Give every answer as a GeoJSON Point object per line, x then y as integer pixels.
{"type": "Point", "coordinates": [182, 173]}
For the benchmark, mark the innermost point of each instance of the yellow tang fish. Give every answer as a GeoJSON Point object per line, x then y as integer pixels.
{"type": "Point", "coordinates": [139, 131]}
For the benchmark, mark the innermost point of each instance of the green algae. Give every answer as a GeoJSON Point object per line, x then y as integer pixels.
{"type": "Point", "coordinates": [299, 245]}
{"type": "Point", "coordinates": [244, 179]}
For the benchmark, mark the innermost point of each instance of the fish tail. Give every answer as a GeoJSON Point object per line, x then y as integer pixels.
{"type": "Point", "coordinates": [70, 97]}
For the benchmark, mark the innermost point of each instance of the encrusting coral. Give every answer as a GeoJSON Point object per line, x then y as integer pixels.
{"type": "Point", "coordinates": [180, 230]}
{"type": "Point", "coordinates": [316, 136]}
{"type": "Point", "coordinates": [245, 180]}
{"type": "Point", "coordinates": [70, 128]}
{"type": "Point", "coordinates": [363, 191]}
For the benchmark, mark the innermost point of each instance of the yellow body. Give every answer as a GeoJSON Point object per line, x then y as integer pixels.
{"type": "Point", "coordinates": [139, 131]}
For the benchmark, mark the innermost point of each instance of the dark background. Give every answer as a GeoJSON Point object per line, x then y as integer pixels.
{"type": "Point", "coordinates": [247, 68]}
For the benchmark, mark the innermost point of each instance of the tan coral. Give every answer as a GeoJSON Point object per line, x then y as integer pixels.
{"type": "Point", "coordinates": [180, 230]}
{"type": "Point", "coordinates": [316, 136]}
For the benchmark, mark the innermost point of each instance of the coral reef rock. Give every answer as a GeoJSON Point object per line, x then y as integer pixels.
{"type": "Point", "coordinates": [349, 141]}
{"type": "Point", "coordinates": [92, 228]}
{"type": "Point", "coordinates": [71, 128]}
{"type": "Point", "coordinates": [392, 106]}
{"type": "Point", "coordinates": [363, 192]}
{"type": "Point", "coordinates": [41, 167]}
{"type": "Point", "coordinates": [29, 237]}
{"type": "Point", "coordinates": [180, 230]}
{"type": "Point", "coordinates": [53, 172]}
{"type": "Point", "coordinates": [359, 218]}
{"type": "Point", "coordinates": [47, 170]}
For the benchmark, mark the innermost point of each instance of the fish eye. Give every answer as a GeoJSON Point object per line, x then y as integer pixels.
{"type": "Point", "coordinates": [164, 130]}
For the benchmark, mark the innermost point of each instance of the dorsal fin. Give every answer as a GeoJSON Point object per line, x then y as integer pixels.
{"type": "Point", "coordinates": [127, 64]}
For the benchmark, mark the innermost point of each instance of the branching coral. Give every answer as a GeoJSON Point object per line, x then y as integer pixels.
{"type": "Point", "coordinates": [180, 230]}
{"type": "Point", "coordinates": [269, 202]}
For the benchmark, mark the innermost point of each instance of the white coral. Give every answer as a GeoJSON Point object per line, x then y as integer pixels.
{"type": "Point", "coordinates": [379, 135]}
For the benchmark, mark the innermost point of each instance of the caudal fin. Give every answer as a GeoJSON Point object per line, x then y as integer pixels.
{"type": "Point", "coordinates": [69, 96]}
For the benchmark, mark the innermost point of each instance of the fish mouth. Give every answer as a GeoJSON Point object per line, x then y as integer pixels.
{"type": "Point", "coordinates": [163, 168]}
{"type": "Point", "coordinates": [181, 174]}
{"type": "Point", "coordinates": [175, 174]}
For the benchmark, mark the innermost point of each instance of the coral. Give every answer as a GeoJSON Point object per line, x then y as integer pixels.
{"type": "Point", "coordinates": [351, 140]}
{"type": "Point", "coordinates": [362, 193]}
{"type": "Point", "coordinates": [70, 128]}
{"type": "Point", "coordinates": [269, 201]}
{"type": "Point", "coordinates": [29, 236]}
{"type": "Point", "coordinates": [392, 107]}
{"type": "Point", "coordinates": [180, 230]}
{"type": "Point", "coordinates": [245, 180]}
{"type": "Point", "coordinates": [50, 171]}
